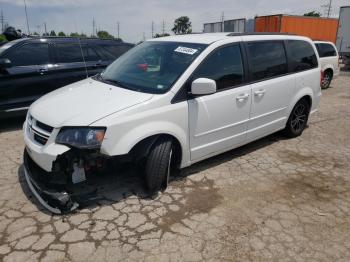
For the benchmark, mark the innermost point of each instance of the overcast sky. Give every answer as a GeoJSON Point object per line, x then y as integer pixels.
{"type": "Point", "coordinates": [136, 16]}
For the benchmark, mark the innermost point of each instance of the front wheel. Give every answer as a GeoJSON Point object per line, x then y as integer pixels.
{"type": "Point", "coordinates": [298, 119]}
{"type": "Point", "coordinates": [158, 165]}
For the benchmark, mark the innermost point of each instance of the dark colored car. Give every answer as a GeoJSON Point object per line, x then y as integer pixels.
{"type": "Point", "coordinates": [32, 67]}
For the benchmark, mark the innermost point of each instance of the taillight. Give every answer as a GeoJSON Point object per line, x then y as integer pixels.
{"type": "Point", "coordinates": [322, 77]}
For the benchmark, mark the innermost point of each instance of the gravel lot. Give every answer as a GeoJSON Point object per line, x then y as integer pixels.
{"type": "Point", "coordinates": [272, 200]}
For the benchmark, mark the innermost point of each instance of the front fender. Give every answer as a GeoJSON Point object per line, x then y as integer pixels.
{"type": "Point", "coordinates": [125, 143]}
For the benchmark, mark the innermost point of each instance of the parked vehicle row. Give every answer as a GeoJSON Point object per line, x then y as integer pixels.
{"type": "Point", "coordinates": [329, 60]}
{"type": "Point", "coordinates": [166, 103]}
{"type": "Point", "coordinates": [32, 67]}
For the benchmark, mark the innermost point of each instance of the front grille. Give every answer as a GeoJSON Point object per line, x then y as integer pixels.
{"type": "Point", "coordinates": [38, 131]}
{"type": "Point", "coordinates": [44, 126]}
{"type": "Point", "coordinates": [40, 139]}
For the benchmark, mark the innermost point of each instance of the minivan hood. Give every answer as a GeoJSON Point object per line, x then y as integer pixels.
{"type": "Point", "coordinates": [84, 102]}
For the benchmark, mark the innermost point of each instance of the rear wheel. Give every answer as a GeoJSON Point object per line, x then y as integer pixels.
{"type": "Point", "coordinates": [298, 119]}
{"type": "Point", "coordinates": [327, 79]}
{"type": "Point", "coordinates": [158, 165]}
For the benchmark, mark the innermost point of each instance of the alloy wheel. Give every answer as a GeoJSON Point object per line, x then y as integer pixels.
{"type": "Point", "coordinates": [299, 118]}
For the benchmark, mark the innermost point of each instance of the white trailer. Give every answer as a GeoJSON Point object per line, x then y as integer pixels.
{"type": "Point", "coordinates": [343, 35]}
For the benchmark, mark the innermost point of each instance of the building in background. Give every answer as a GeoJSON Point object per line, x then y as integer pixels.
{"type": "Point", "coordinates": [317, 28]}
{"type": "Point", "coordinates": [234, 25]}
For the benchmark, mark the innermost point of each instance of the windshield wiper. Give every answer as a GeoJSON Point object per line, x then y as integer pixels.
{"type": "Point", "coordinates": [115, 83]}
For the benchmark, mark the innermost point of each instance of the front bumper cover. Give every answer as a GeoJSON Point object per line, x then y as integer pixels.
{"type": "Point", "coordinates": [56, 201]}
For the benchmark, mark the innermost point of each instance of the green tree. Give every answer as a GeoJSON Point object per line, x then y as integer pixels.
{"type": "Point", "coordinates": [74, 34]}
{"type": "Point", "coordinates": [35, 33]}
{"type": "Point", "coordinates": [104, 34]}
{"type": "Point", "coordinates": [52, 33]}
{"type": "Point", "coordinates": [313, 13]}
{"type": "Point", "coordinates": [2, 38]}
{"type": "Point", "coordinates": [182, 25]}
{"type": "Point", "coordinates": [160, 35]}
{"type": "Point", "coordinates": [61, 34]}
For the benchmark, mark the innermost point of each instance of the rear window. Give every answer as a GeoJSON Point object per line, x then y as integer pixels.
{"type": "Point", "coordinates": [302, 55]}
{"type": "Point", "coordinates": [267, 59]}
{"type": "Point", "coordinates": [325, 50]}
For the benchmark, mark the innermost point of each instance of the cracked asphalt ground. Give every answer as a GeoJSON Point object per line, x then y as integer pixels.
{"type": "Point", "coordinates": [272, 200]}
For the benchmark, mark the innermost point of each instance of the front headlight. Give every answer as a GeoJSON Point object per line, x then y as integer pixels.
{"type": "Point", "coordinates": [81, 137]}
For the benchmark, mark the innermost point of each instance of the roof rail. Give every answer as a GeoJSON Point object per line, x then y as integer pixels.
{"type": "Point", "coordinates": [257, 33]}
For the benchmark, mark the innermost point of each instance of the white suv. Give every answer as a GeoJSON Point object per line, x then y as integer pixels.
{"type": "Point", "coordinates": [169, 102]}
{"type": "Point", "coordinates": [329, 60]}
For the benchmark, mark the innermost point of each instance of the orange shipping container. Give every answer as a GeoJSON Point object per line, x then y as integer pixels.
{"type": "Point", "coordinates": [317, 28]}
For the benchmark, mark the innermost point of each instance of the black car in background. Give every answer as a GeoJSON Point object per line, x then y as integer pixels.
{"type": "Point", "coordinates": [32, 67]}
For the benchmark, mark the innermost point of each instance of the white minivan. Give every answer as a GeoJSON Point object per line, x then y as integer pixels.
{"type": "Point", "coordinates": [329, 60]}
{"type": "Point", "coordinates": [169, 102]}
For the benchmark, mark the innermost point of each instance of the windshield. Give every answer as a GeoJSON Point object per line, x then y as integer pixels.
{"type": "Point", "coordinates": [152, 67]}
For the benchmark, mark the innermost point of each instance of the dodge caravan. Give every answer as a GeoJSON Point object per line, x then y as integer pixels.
{"type": "Point", "coordinates": [169, 102]}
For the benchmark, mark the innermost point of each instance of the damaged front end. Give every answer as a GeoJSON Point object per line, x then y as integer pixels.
{"type": "Point", "coordinates": [71, 181]}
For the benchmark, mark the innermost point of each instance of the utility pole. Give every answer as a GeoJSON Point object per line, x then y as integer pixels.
{"type": "Point", "coordinates": [222, 22]}
{"type": "Point", "coordinates": [2, 21]}
{"type": "Point", "coordinates": [118, 30]}
{"type": "Point", "coordinates": [45, 29]}
{"type": "Point", "coordinates": [144, 36]}
{"type": "Point", "coordinates": [152, 29]}
{"type": "Point", "coordinates": [163, 27]}
{"type": "Point", "coordinates": [25, 10]}
{"type": "Point", "coordinates": [329, 8]}
{"type": "Point", "coordinates": [93, 27]}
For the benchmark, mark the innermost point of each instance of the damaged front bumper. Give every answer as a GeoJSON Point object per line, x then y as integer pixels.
{"type": "Point", "coordinates": [57, 202]}
{"type": "Point", "coordinates": [56, 190]}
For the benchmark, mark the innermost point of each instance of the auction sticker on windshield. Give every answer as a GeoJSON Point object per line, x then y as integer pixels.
{"type": "Point", "coordinates": [186, 50]}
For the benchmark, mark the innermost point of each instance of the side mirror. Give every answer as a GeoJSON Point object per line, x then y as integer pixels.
{"type": "Point", "coordinates": [203, 86]}
{"type": "Point", "coordinates": [5, 63]}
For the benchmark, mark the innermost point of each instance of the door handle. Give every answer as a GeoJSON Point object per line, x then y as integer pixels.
{"type": "Point", "coordinates": [43, 71]}
{"type": "Point", "coordinates": [242, 97]}
{"type": "Point", "coordinates": [260, 92]}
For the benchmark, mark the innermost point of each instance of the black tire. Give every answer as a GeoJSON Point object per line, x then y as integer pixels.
{"type": "Point", "coordinates": [158, 165]}
{"type": "Point", "coordinates": [298, 118]}
{"type": "Point", "coordinates": [327, 79]}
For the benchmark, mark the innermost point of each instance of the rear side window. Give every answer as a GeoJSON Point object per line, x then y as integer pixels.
{"type": "Point", "coordinates": [117, 50]}
{"type": "Point", "coordinates": [224, 66]}
{"type": "Point", "coordinates": [302, 55]}
{"type": "Point", "coordinates": [89, 53]}
{"type": "Point", "coordinates": [68, 53]}
{"type": "Point", "coordinates": [267, 59]}
{"type": "Point", "coordinates": [326, 50]}
{"type": "Point", "coordinates": [30, 54]}
{"type": "Point", "coordinates": [104, 53]}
